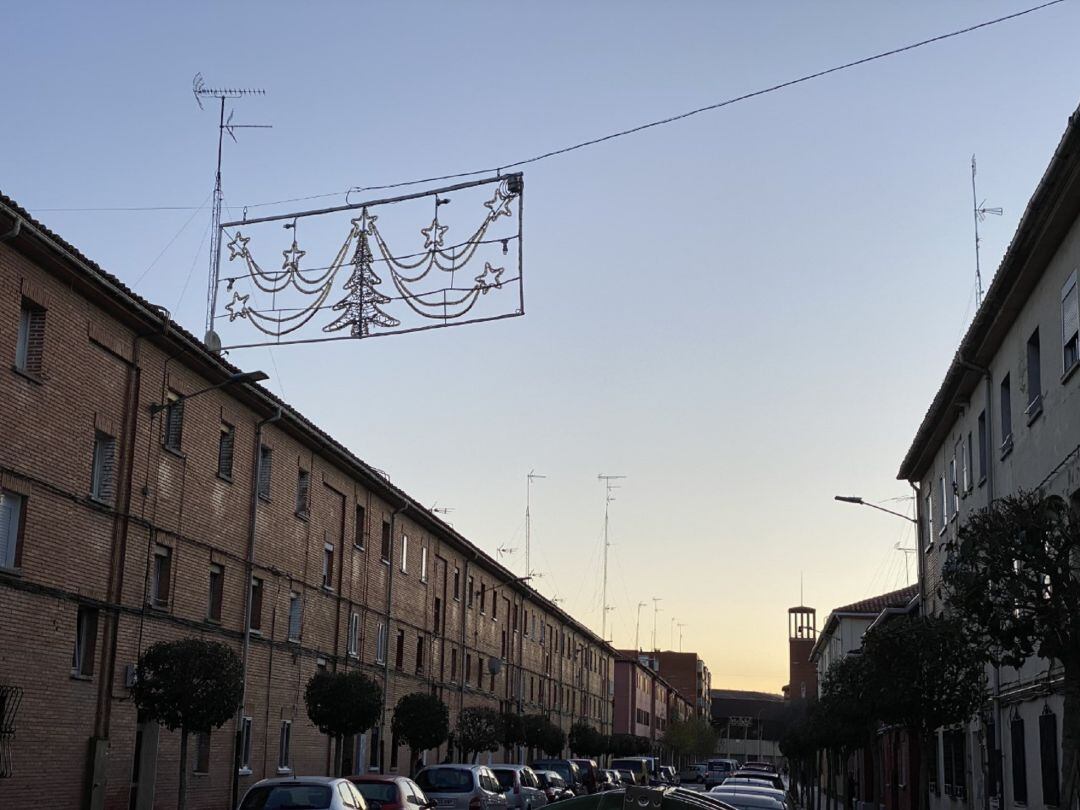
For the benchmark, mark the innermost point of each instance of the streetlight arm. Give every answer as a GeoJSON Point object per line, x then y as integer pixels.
{"type": "Point", "coordinates": [233, 379]}
{"type": "Point", "coordinates": [855, 499]}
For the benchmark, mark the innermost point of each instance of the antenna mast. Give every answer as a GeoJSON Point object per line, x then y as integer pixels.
{"type": "Point", "coordinates": [609, 496]}
{"type": "Point", "coordinates": [201, 91]}
{"type": "Point", "coordinates": [533, 475]}
{"type": "Point", "coordinates": [980, 211]}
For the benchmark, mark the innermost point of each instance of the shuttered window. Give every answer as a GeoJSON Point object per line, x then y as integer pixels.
{"type": "Point", "coordinates": [399, 655]}
{"type": "Point", "coordinates": [101, 477]}
{"type": "Point", "coordinates": [1019, 761]}
{"type": "Point", "coordinates": [256, 603]}
{"type": "Point", "coordinates": [217, 585]}
{"type": "Point", "coordinates": [386, 541]}
{"type": "Point", "coordinates": [328, 566]}
{"type": "Point", "coordinates": [1006, 413]}
{"type": "Point", "coordinates": [294, 616]}
{"type": "Point", "coordinates": [361, 526]}
{"type": "Point", "coordinates": [1048, 756]}
{"type": "Point", "coordinates": [82, 657]}
{"type": "Point", "coordinates": [11, 523]}
{"type": "Point", "coordinates": [159, 595]}
{"type": "Point", "coordinates": [266, 458]}
{"type": "Point", "coordinates": [303, 487]}
{"type": "Point", "coordinates": [202, 752]}
{"type": "Point", "coordinates": [1034, 376]}
{"type": "Point", "coordinates": [982, 445]}
{"type": "Point", "coordinates": [1070, 324]}
{"type": "Point", "coordinates": [354, 634]}
{"type": "Point", "coordinates": [174, 421]}
{"type": "Point", "coordinates": [226, 441]}
{"type": "Point", "coordinates": [380, 644]}
{"type": "Point", "coordinates": [30, 348]}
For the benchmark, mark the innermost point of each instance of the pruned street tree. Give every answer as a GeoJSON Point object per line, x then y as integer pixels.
{"type": "Point", "coordinates": [477, 730]}
{"type": "Point", "coordinates": [1013, 583]}
{"type": "Point", "coordinates": [342, 704]}
{"type": "Point", "coordinates": [847, 716]}
{"type": "Point", "coordinates": [421, 721]}
{"type": "Point", "coordinates": [511, 730]}
{"type": "Point", "coordinates": [552, 739]}
{"type": "Point", "coordinates": [190, 685]}
{"type": "Point", "coordinates": [585, 740]}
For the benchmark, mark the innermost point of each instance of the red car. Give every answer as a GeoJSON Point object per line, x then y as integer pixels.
{"type": "Point", "coordinates": [389, 792]}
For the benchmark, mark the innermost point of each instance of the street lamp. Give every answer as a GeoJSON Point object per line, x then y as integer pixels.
{"type": "Point", "coordinates": [855, 499]}
{"type": "Point", "coordinates": [232, 379]}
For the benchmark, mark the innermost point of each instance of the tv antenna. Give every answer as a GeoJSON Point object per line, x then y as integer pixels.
{"type": "Point", "coordinates": [980, 211]}
{"type": "Point", "coordinates": [503, 551]}
{"type": "Point", "coordinates": [609, 496]}
{"type": "Point", "coordinates": [225, 126]}
{"type": "Point", "coordinates": [532, 476]}
{"type": "Point", "coordinates": [907, 551]}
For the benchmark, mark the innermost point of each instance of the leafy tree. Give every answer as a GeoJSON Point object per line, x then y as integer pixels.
{"type": "Point", "coordinates": [585, 740]}
{"type": "Point", "coordinates": [552, 739]}
{"type": "Point", "coordinates": [342, 704]}
{"type": "Point", "coordinates": [622, 745]}
{"type": "Point", "coordinates": [421, 721]}
{"type": "Point", "coordinates": [925, 672]}
{"type": "Point", "coordinates": [1013, 583]}
{"type": "Point", "coordinates": [692, 736]}
{"type": "Point", "coordinates": [533, 726]}
{"type": "Point", "coordinates": [190, 685]}
{"type": "Point", "coordinates": [477, 730]}
{"type": "Point", "coordinates": [511, 730]}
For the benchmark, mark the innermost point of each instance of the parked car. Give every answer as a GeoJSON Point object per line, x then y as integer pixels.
{"type": "Point", "coordinates": [626, 777]}
{"type": "Point", "coordinates": [565, 768]}
{"type": "Point", "coordinates": [608, 780]}
{"type": "Point", "coordinates": [315, 792]}
{"type": "Point", "coordinates": [387, 792]}
{"type": "Point", "coordinates": [694, 774]}
{"type": "Point", "coordinates": [747, 800]}
{"type": "Point", "coordinates": [588, 769]}
{"type": "Point", "coordinates": [717, 770]}
{"type": "Point", "coordinates": [761, 790]}
{"type": "Point", "coordinates": [758, 766]}
{"type": "Point", "coordinates": [670, 774]}
{"type": "Point", "coordinates": [521, 787]}
{"type": "Point", "coordinates": [554, 786]}
{"type": "Point", "coordinates": [462, 787]}
{"type": "Point", "coordinates": [761, 776]}
{"type": "Point", "coordinates": [638, 766]}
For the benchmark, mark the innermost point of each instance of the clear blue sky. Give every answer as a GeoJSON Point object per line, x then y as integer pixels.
{"type": "Point", "coordinates": [746, 312]}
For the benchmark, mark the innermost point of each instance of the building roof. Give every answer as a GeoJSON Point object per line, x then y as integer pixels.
{"type": "Point", "coordinates": [1052, 209]}
{"type": "Point", "coordinates": [865, 609]}
{"type": "Point", "coordinates": [27, 235]}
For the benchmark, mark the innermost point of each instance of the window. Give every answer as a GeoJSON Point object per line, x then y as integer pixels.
{"type": "Point", "coordinates": [404, 553]}
{"type": "Point", "coordinates": [101, 476]}
{"type": "Point", "coordinates": [328, 566]}
{"type": "Point", "coordinates": [159, 586]}
{"type": "Point", "coordinates": [202, 752]}
{"type": "Point", "coordinates": [256, 604]}
{"type": "Point", "coordinates": [419, 655]}
{"type": "Point", "coordinates": [380, 644]}
{"type": "Point", "coordinates": [982, 446]}
{"type": "Point", "coordinates": [82, 658]}
{"type": "Point", "coordinates": [502, 649]}
{"type": "Point", "coordinates": [453, 665]}
{"type": "Point", "coordinates": [11, 526]}
{"type": "Point", "coordinates": [245, 745]}
{"type": "Point", "coordinates": [968, 464]}
{"type": "Point", "coordinates": [266, 460]}
{"type": "Point", "coordinates": [457, 583]}
{"type": "Point", "coordinates": [284, 739]}
{"type": "Point", "coordinates": [294, 616]}
{"type": "Point", "coordinates": [423, 564]}
{"type": "Point", "coordinates": [1034, 377]}
{"type": "Point", "coordinates": [943, 501]}
{"type": "Point", "coordinates": [934, 769]}
{"type": "Point", "coordinates": [1006, 416]}
{"type": "Point", "coordinates": [1048, 757]}
{"type": "Point", "coordinates": [31, 345]}
{"type": "Point", "coordinates": [303, 486]}
{"type": "Point", "coordinates": [217, 587]}
{"type": "Point", "coordinates": [361, 526]}
{"type": "Point", "coordinates": [173, 435]}
{"type": "Point", "coordinates": [468, 667]}
{"type": "Point", "coordinates": [399, 655]}
{"type": "Point", "coordinates": [437, 618]}
{"type": "Point", "coordinates": [483, 597]}
{"type": "Point", "coordinates": [386, 541]}
{"type": "Point", "coordinates": [494, 606]}
{"type": "Point", "coordinates": [1019, 760]}
{"type": "Point", "coordinates": [1070, 324]}
{"type": "Point", "coordinates": [953, 498]}
{"type": "Point", "coordinates": [354, 634]}
{"type": "Point", "coordinates": [226, 440]}
{"type": "Point", "coordinates": [469, 595]}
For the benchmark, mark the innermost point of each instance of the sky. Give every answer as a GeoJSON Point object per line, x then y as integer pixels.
{"type": "Point", "coordinates": [745, 312]}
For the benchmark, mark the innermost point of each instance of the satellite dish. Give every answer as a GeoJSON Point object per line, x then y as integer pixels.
{"type": "Point", "coordinates": [494, 665]}
{"type": "Point", "coordinates": [212, 341]}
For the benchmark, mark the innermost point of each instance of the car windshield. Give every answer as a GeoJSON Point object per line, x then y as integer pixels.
{"type": "Point", "coordinates": [382, 792]}
{"type": "Point", "coordinates": [627, 764]}
{"type": "Point", "coordinates": [562, 769]}
{"type": "Point", "coordinates": [292, 796]}
{"type": "Point", "coordinates": [445, 780]}
{"type": "Point", "coordinates": [505, 777]}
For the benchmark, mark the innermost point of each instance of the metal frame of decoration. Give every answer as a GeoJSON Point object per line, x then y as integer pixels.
{"type": "Point", "coordinates": [423, 290]}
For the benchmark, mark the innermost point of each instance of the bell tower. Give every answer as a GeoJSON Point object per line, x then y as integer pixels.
{"type": "Point", "coordinates": [802, 634]}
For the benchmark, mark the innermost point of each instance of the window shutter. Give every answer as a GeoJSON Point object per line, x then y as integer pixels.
{"type": "Point", "coordinates": [1048, 754]}
{"type": "Point", "coordinates": [89, 641]}
{"type": "Point", "coordinates": [1019, 761]}
{"type": "Point", "coordinates": [35, 340]}
{"type": "Point", "coordinates": [225, 451]}
{"type": "Point", "coordinates": [256, 604]}
{"type": "Point", "coordinates": [10, 522]}
{"type": "Point", "coordinates": [174, 424]}
{"type": "Point", "coordinates": [1070, 310]}
{"type": "Point", "coordinates": [265, 460]}
{"type": "Point", "coordinates": [164, 577]}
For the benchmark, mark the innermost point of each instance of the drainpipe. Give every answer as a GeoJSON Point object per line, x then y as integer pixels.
{"type": "Point", "coordinates": [464, 648]}
{"type": "Point", "coordinates": [386, 648]}
{"type": "Point", "coordinates": [249, 573]}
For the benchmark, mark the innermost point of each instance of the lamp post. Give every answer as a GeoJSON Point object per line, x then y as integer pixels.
{"type": "Point", "coordinates": [855, 499]}
{"type": "Point", "coordinates": [232, 379]}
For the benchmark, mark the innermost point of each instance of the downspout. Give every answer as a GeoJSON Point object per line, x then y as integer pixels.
{"type": "Point", "coordinates": [464, 648]}
{"type": "Point", "coordinates": [386, 647]}
{"type": "Point", "coordinates": [249, 573]}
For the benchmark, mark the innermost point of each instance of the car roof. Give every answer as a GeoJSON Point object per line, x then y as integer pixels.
{"type": "Point", "coordinates": [458, 766]}
{"type": "Point", "coordinates": [509, 766]}
{"type": "Point", "coordinates": [746, 787]}
{"type": "Point", "coordinates": [300, 780]}
{"type": "Point", "coordinates": [376, 777]}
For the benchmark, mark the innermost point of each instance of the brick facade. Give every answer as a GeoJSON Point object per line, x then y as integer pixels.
{"type": "Point", "coordinates": [106, 358]}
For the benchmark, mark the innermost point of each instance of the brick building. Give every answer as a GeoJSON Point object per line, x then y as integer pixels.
{"type": "Point", "coordinates": [225, 515]}
{"type": "Point", "coordinates": [645, 703]}
{"type": "Point", "coordinates": [802, 671]}
{"type": "Point", "coordinates": [689, 675]}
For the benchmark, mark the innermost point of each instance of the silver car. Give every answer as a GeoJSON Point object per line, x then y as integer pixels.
{"type": "Point", "coordinates": [748, 800]}
{"type": "Point", "coordinates": [316, 792]}
{"type": "Point", "coordinates": [462, 787]}
{"type": "Point", "coordinates": [521, 787]}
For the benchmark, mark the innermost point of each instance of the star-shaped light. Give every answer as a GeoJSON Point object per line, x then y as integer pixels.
{"type": "Point", "coordinates": [292, 257]}
{"type": "Point", "coordinates": [231, 306]}
{"type": "Point", "coordinates": [499, 205]}
{"type": "Point", "coordinates": [433, 236]}
{"type": "Point", "coordinates": [238, 246]}
{"type": "Point", "coordinates": [363, 222]}
{"type": "Point", "coordinates": [489, 278]}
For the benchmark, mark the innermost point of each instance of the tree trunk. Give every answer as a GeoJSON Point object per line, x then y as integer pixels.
{"type": "Point", "coordinates": [1070, 735]}
{"type": "Point", "coordinates": [924, 771]}
{"type": "Point", "coordinates": [181, 794]}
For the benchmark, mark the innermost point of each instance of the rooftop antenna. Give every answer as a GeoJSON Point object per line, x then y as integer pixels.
{"type": "Point", "coordinates": [637, 630]}
{"type": "Point", "coordinates": [609, 496]}
{"type": "Point", "coordinates": [503, 551]}
{"type": "Point", "coordinates": [532, 476]}
{"type": "Point", "coordinates": [225, 125]}
{"type": "Point", "coordinates": [981, 211]}
{"type": "Point", "coordinates": [907, 566]}
{"type": "Point", "coordinates": [655, 612]}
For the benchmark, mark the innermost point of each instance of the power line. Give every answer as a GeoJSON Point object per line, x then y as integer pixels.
{"type": "Point", "coordinates": [622, 133]}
